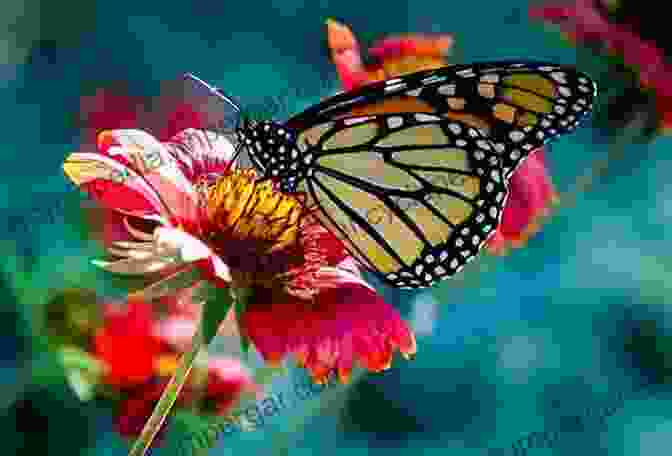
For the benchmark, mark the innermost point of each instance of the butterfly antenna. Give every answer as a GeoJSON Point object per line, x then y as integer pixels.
{"type": "Point", "coordinates": [216, 91]}
{"type": "Point", "coordinates": [220, 93]}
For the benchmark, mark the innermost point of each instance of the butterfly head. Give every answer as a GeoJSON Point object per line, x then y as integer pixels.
{"type": "Point", "coordinates": [273, 150]}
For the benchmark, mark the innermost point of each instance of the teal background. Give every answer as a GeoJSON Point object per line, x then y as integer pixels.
{"type": "Point", "coordinates": [518, 343]}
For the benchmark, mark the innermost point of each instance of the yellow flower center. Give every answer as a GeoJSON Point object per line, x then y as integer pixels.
{"type": "Point", "coordinates": [251, 226]}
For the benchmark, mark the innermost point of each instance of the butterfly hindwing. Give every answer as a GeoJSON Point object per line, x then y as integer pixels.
{"type": "Point", "coordinates": [413, 196]}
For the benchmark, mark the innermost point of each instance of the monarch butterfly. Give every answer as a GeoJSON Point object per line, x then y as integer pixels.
{"type": "Point", "coordinates": [412, 173]}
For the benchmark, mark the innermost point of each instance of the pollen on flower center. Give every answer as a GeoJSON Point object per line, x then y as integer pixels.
{"type": "Point", "coordinates": [248, 221]}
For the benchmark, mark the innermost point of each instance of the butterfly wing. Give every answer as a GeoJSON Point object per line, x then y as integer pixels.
{"type": "Point", "coordinates": [413, 196]}
{"type": "Point", "coordinates": [520, 105]}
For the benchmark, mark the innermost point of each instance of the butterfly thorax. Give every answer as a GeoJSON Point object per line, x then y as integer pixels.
{"type": "Point", "coordinates": [272, 147]}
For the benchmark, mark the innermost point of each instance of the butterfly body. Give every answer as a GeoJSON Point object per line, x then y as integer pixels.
{"type": "Point", "coordinates": [412, 172]}
{"type": "Point", "coordinates": [274, 149]}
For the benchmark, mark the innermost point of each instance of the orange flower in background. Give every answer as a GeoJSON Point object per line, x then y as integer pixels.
{"type": "Point", "coordinates": [531, 191]}
{"type": "Point", "coordinates": [396, 55]}
{"type": "Point", "coordinates": [172, 206]}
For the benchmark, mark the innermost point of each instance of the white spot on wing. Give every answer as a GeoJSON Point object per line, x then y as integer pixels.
{"type": "Point", "coordinates": [516, 136]}
{"type": "Point", "coordinates": [422, 117]}
{"type": "Point", "coordinates": [447, 89]}
{"type": "Point", "coordinates": [395, 122]}
{"type": "Point", "coordinates": [559, 76]}
{"type": "Point", "coordinates": [394, 88]}
{"type": "Point", "coordinates": [490, 78]}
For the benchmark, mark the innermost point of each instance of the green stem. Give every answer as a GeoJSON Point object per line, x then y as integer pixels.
{"type": "Point", "coordinates": [168, 397]}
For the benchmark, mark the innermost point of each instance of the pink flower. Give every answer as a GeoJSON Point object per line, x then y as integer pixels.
{"type": "Point", "coordinates": [169, 207]}
{"type": "Point", "coordinates": [531, 189]}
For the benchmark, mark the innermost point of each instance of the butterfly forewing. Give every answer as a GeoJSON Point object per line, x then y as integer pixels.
{"type": "Point", "coordinates": [413, 196]}
{"type": "Point", "coordinates": [520, 106]}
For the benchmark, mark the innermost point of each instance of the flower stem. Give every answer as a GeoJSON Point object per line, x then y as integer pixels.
{"type": "Point", "coordinates": [168, 397]}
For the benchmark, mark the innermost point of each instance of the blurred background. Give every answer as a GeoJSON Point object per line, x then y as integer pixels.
{"type": "Point", "coordinates": [514, 346]}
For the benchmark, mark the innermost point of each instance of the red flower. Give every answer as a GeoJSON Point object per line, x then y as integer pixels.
{"type": "Point", "coordinates": [531, 189]}
{"type": "Point", "coordinates": [197, 213]}
{"type": "Point", "coordinates": [127, 344]}
{"type": "Point", "coordinates": [345, 324]}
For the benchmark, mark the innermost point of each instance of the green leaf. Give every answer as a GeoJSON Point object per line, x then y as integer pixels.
{"type": "Point", "coordinates": [75, 358]}
{"type": "Point", "coordinates": [83, 371]}
{"type": "Point", "coordinates": [216, 307]}
{"type": "Point", "coordinates": [82, 385]}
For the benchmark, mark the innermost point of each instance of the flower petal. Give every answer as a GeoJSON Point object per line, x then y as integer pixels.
{"type": "Point", "coordinates": [400, 55]}
{"type": "Point", "coordinates": [346, 55]}
{"type": "Point", "coordinates": [201, 154]}
{"type": "Point", "coordinates": [141, 152]}
{"type": "Point", "coordinates": [531, 194]}
{"type": "Point", "coordinates": [328, 333]}
{"type": "Point", "coordinates": [114, 185]}
{"type": "Point", "coordinates": [132, 266]}
{"type": "Point", "coordinates": [175, 243]}
{"type": "Point", "coordinates": [127, 330]}
{"type": "Point", "coordinates": [175, 290]}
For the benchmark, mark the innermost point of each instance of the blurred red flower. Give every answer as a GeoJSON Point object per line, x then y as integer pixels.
{"type": "Point", "coordinates": [126, 344]}
{"type": "Point", "coordinates": [140, 359]}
